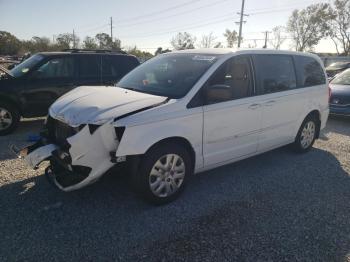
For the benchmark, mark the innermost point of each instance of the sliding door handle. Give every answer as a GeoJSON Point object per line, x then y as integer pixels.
{"type": "Point", "coordinates": [270, 103]}
{"type": "Point", "coordinates": [254, 106]}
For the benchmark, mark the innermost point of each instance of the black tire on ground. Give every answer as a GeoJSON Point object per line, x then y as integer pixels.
{"type": "Point", "coordinates": [15, 118]}
{"type": "Point", "coordinates": [298, 145]}
{"type": "Point", "coordinates": [141, 178]}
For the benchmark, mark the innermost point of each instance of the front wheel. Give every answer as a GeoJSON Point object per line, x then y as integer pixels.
{"type": "Point", "coordinates": [163, 173]}
{"type": "Point", "coordinates": [306, 135]}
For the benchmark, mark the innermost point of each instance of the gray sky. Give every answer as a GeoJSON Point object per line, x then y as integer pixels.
{"type": "Point", "coordinates": [148, 24]}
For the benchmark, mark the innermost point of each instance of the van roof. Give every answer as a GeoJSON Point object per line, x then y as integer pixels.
{"type": "Point", "coordinates": [223, 51]}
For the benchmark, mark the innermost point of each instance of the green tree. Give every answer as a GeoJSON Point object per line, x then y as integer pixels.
{"type": "Point", "coordinates": [9, 44]}
{"type": "Point", "coordinates": [65, 41]}
{"type": "Point", "coordinates": [89, 43]}
{"type": "Point", "coordinates": [105, 42]}
{"type": "Point", "coordinates": [308, 26]}
{"type": "Point", "coordinates": [231, 37]}
{"type": "Point", "coordinates": [340, 25]}
{"type": "Point", "coordinates": [141, 55]}
{"type": "Point", "coordinates": [183, 41]}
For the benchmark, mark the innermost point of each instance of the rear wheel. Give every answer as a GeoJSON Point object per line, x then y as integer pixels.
{"type": "Point", "coordinates": [306, 135]}
{"type": "Point", "coordinates": [9, 118]}
{"type": "Point", "coordinates": [163, 173]}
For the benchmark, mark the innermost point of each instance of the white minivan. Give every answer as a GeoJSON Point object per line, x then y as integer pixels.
{"type": "Point", "coordinates": [181, 113]}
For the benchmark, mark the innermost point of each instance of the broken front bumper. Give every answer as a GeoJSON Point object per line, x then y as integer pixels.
{"type": "Point", "coordinates": [81, 160]}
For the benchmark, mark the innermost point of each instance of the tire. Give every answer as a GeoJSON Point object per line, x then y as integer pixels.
{"type": "Point", "coordinates": [306, 135]}
{"type": "Point", "coordinates": [8, 113]}
{"type": "Point", "coordinates": [169, 180]}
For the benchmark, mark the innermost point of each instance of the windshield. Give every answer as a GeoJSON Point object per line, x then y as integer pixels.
{"type": "Point", "coordinates": [338, 65]}
{"type": "Point", "coordinates": [170, 75]}
{"type": "Point", "coordinates": [26, 65]}
{"type": "Point", "coordinates": [343, 78]}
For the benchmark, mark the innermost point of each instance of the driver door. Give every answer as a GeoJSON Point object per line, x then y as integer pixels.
{"type": "Point", "coordinates": [48, 82]}
{"type": "Point", "coordinates": [232, 117]}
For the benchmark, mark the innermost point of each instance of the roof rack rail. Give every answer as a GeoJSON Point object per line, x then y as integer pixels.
{"type": "Point", "coordinates": [77, 50]}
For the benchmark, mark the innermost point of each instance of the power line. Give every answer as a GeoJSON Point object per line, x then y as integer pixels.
{"type": "Point", "coordinates": [160, 11]}
{"type": "Point", "coordinates": [174, 30]}
{"type": "Point", "coordinates": [176, 14]}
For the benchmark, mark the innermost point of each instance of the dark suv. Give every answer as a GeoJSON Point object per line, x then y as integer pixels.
{"type": "Point", "coordinates": [30, 88]}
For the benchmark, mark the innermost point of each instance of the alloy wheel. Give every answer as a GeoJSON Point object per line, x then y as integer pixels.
{"type": "Point", "coordinates": [167, 175]}
{"type": "Point", "coordinates": [308, 134]}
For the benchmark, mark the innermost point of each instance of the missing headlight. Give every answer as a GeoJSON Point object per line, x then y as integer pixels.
{"type": "Point", "coordinates": [119, 131]}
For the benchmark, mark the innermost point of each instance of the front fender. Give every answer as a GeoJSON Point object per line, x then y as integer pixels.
{"type": "Point", "coordinates": [137, 140]}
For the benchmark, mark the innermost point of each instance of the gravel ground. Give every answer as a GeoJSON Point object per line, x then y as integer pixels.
{"type": "Point", "coordinates": [278, 206]}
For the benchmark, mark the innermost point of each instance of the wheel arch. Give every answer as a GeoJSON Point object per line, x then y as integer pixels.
{"type": "Point", "coordinates": [12, 102]}
{"type": "Point", "coordinates": [180, 141]}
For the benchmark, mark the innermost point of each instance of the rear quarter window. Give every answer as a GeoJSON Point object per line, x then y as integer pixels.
{"type": "Point", "coordinates": [274, 73]}
{"type": "Point", "coordinates": [310, 72]}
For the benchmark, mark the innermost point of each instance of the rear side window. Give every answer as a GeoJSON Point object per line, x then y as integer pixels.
{"type": "Point", "coordinates": [116, 66]}
{"type": "Point", "coordinates": [310, 72]}
{"type": "Point", "coordinates": [90, 66]}
{"type": "Point", "coordinates": [127, 64]}
{"type": "Point", "coordinates": [110, 67]}
{"type": "Point", "coordinates": [275, 73]}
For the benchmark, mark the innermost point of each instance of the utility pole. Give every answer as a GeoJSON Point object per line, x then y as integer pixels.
{"type": "Point", "coordinates": [266, 37]}
{"type": "Point", "coordinates": [73, 39]}
{"type": "Point", "coordinates": [240, 24]}
{"type": "Point", "coordinates": [111, 28]}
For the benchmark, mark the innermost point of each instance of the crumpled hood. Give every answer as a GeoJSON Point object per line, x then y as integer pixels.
{"type": "Point", "coordinates": [98, 104]}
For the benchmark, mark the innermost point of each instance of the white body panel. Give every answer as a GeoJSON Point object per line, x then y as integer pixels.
{"type": "Point", "coordinates": [231, 130]}
{"type": "Point", "coordinates": [219, 133]}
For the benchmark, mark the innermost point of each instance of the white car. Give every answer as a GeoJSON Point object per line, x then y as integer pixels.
{"type": "Point", "coordinates": [181, 113]}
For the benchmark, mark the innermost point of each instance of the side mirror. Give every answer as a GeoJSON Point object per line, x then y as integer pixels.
{"type": "Point", "coordinates": [218, 93]}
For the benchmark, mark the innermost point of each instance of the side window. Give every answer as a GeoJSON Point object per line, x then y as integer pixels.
{"type": "Point", "coordinates": [275, 73]}
{"type": "Point", "coordinates": [90, 66]}
{"type": "Point", "coordinates": [60, 67]}
{"type": "Point", "coordinates": [128, 63]}
{"type": "Point", "coordinates": [310, 72]}
{"type": "Point", "coordinates": [233, 80]}
{"type": "Point", "coordinates": [110, 66]}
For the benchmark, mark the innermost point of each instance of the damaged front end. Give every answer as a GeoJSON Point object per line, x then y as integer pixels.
{"type": "Point", "coordinates": [78, 156]}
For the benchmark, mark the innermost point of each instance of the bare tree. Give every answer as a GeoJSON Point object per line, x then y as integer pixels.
{"type": "Point", "coordinates": [208, 41]}
{"type": "Point", "coordinates": [308, 26]}
{"type": "Point", "coordinates": [340, 25]}
{"type": "Point", "coordinates": [183, 41]}
{"type": "Point", "coordinates": [231, 37]}
{"type": "Point", "coordinates": [277, 38]}
{"type": "Point", "coordinates": [254, 45]}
